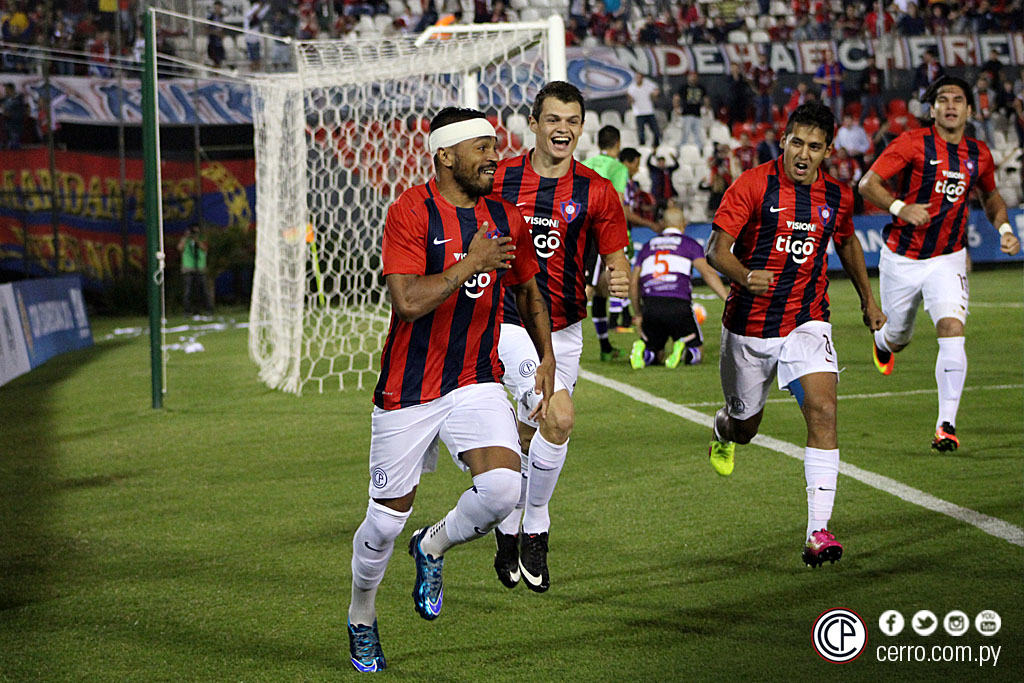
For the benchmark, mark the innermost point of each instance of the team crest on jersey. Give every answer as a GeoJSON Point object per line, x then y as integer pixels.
{"type": "Point", "coordinates": [970, 166]}
{"type": "Point", "coordinates": [570, 210]}
{"type": "Point", "coordinates": [826, 213]}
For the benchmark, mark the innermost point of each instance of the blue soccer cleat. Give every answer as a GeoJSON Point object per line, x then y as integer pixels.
{"type": "Point", "coordinates": [364, 646]}
{"type": "Point", "coordinates": [428, 591]}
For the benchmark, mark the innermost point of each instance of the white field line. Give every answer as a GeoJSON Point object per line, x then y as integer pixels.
{"type": "Point", "coordinates": [881, 394]}
{"type": "Point", "coordinates": [991, 304]}
{"type": "Point", "coordinates": [990, 525]}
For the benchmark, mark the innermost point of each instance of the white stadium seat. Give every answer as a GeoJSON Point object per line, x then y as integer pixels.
{"type": "Point", "coordinates": [690, 154]}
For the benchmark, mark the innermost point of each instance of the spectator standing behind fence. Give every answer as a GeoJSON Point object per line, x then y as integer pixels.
{"type": "Point", "coordinates": [737, 98]}
{"type": "Point", "coordinates": [661, 180]}
{"type": "Point", "coordinates": [215, 36]}
{"type": "Point", "coordinates": [926, 73]}
{"type": "Point", "coordinates": [852, 137]}
{"type": "Point", "coordinates": [254, 22]}
{"type": "Point", "coordinates": [688, 102]}
{"type": "Point", "coordinates": [745, 155]}
{"type": "Point", "coordinates": [830, 76]}
{"type": "Point", "coordinates": [14, 111]}
{"type": "Point", "coordinates": [984, 102]}
{"type": "Point", "coordinates": [872, 81]}
{"type": "Point", "coordinates": [768, 149]}
{"type": "Point", "coordinates": [193, 247]}
{"type": "Point", "coordinates": [641, 94]}
{"type": "Point", "coordinates": [763, 78]}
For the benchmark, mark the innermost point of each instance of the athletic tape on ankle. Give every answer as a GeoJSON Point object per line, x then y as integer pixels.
{"type": "Point", "coordinates": [457, 132]}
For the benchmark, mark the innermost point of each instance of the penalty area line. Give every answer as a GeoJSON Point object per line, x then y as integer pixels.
{"type": "Point", "coordinates": [990, 525]}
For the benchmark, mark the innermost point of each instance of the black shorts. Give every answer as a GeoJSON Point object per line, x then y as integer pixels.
{"type": "Point", "coordinates": [666, 317]}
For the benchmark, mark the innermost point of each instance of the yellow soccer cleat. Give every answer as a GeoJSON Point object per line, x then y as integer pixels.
{"type": "Point", "coordinates": [720, 455]}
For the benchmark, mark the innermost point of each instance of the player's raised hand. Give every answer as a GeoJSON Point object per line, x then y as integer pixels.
{"type": "Point", "coordinates": [758, 281]}
{"type": "Point", "coordinates": [1009, 244]}
{"type": "Point", "coordinates": [490, 253]}
{"type": "Point", "coordinates": [915, 214]}
{"type": "Point", "coordinates": [618, 282]}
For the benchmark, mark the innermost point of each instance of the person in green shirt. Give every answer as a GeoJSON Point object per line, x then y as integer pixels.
{"type": "Point", "coordinates": [193, 247]}
{"type": "Point", "coordinates": [606, 163]}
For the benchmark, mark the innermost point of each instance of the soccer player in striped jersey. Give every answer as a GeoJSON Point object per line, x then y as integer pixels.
{"type": "Point", "coordinates": [925, 255]}
{"type": "Point", "coordinates": [570, 209]}
{"type": "Point", "coordinates": [770, 237]}
{"type": "Point", "coordinates": [449, 254]}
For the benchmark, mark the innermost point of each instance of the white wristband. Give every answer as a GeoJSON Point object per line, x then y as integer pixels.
{"type": "Point", "coordinates": [1005, 229]}
{"type": "Point", "coordinates": [896, 207]}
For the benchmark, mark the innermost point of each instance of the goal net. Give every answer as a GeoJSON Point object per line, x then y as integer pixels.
{"type": "Point", "coordinates": [339, 140]}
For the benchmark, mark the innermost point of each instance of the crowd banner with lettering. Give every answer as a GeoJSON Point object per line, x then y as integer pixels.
{"type": "Point", "coordinates": [608, 71]}
{"type": "Point", "coordinates": [91, 238]}
{"type": "Point", "coordinates": [600, 72]}
{"type": "Point", "coordinates": [41, 318]}
{"type": "Point", "coordinates": [982, 238]}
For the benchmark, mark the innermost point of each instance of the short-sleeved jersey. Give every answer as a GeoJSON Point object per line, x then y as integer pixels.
{"type": "Point", "coordinates": [611, 168]}
{"type": "Point", "coordinates": [568, 217]}
{"type": "Point", "coordinates": [785, 228]}
{"type": "Point", "coordinates": [666, 264]}
{"type": "Point", "coordinates": [940, 175]}
{"type": "Point", "coordinates": [456, 344]}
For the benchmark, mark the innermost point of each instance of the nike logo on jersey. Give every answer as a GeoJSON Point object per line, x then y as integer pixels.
{"type": "Point", "coordinates": [934, 162]}
{"type": "Point", "coordinates": [521, 204]}
{"type": "Point", "coordinates": [776, 210]}
{"type": "Point", "coordinates": [376, 550]}
{"type": "Point", "coordinates": [437, 241]}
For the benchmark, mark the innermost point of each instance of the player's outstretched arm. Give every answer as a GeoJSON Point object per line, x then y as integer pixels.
{"type": "Point", "coordinates": [533, 311]}
{"type": "Point", "coordinates": [711, 278]}
{"type": "Point", "coordinates": [618, 273]}
{"type": "Point", "coordinates": [413, 296]}
{"type": "Point", "coordinates": [721, 258]}
{"type": "Point", "coordinates": [995, 209]}
{"type": "Point", "coordinates": [851, 255]}
{"type": "Point", "coordinates": [871, 189]}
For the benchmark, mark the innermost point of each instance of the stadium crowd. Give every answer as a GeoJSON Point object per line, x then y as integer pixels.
{"type": "Point", "coordinates": [733, 122]}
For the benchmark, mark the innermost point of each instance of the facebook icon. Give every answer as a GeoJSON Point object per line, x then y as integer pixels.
{"type": "Point", "coordinates": [891, 622]}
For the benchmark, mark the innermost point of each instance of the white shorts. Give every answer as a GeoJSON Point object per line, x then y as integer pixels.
{"type": "Point", "coordinates": [748, 364]}
{"type": "Point", "coordinates": [518, 355]}
{"type": "Point", "coordinates": [941, 281]}
{"type": "Point", "coordinates": [404, 442]}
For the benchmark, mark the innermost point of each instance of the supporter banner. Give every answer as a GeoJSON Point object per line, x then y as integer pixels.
{"type": "Point", "coordinates": [91, 238]}
{"type": "Point", "coordinates": [47, 316]}
{"type": "Point", "coordinates": [600, 72]}
{"type": "Point", "coordinates": [982, 238]}
{"type": "Point", "coordinates": [607, 72]}
{"type": "Point", "coordinates": [82, 99]}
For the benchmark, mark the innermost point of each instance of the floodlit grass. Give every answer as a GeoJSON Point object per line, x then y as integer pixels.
{"type": "Point", "coordinates": [211, 540]}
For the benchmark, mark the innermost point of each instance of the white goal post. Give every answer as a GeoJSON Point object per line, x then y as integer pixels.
{"type": "Point", "coordinates": [337, 141]}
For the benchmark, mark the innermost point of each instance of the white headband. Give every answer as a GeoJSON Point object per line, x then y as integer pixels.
{"type": "Point", "coordinates": [454, 133]}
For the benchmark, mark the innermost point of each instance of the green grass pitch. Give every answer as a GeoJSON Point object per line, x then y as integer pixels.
{"type": "Point", "coordinates": [211, 540]}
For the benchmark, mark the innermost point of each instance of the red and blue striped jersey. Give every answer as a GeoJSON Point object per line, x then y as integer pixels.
{"type": "Point", "coordinates": [568, 217]}
{"type": "Point", "coordinates": [785, 228]}
{"type": "Point", "coordinates": [942, 176]}
{"type": "Point", "coordinates": [456, 344]}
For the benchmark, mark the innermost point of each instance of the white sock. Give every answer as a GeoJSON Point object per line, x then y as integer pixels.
{"type": "Point", "coordinates": [510, 525]}
{"type": "Point", "coordinates": [371, 549]}
{"type": "Point", "coordinates": [491, 498]}
{"type": "Point", "coordinates": [546, 461]}
{"type": "Point", "coordinates": [950, 373]}
{"type": "Point", "coordinates": [821, 472]}
{"type": "Point", "coordinates": [880, 341]}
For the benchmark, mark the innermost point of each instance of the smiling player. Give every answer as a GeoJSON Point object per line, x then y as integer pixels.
{"type": "Point", "coordinates": [570, 209]}
{"type": "Point", "coordinates": [448, 255]}
{"type": "Point", "coordinates": [770, 238]}
{"type": "Point", "coordinates": [925, 256]}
